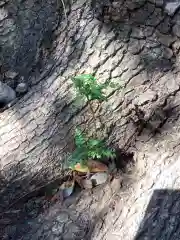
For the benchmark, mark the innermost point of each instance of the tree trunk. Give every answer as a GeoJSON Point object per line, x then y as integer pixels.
{"type": "Point", "coordinates": [36, 134]}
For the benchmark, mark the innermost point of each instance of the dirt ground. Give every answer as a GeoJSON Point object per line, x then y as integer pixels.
{"type": "Point", "coordinates": [134, 43]}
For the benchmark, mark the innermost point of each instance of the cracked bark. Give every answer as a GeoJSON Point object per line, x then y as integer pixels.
{"type": "Point", "coordinates": [36, 133]}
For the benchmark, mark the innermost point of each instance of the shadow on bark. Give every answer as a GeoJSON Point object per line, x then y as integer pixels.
{"type": "Point", "coordinates": [161, 218]}
{"type": "Point", "coordinates": [27, 38]}
{"type": "Point", "coordinates": [160, 221]}
{"type": "Point", "coordinates": [144, 31]}
{"type": "Point", "coordinates": [58, 115]}
{"type": "Point", "coordinates": [31, 26]}
{"type": "Point", "coordinates": [145, 28]}
{"type": "Point", "coordinates": [155, 123]}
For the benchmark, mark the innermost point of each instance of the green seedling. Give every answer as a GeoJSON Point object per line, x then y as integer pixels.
{"type": "Point", "coordinates": [89, 89]}
{"type": "Point", "coordinates": [88, 148]}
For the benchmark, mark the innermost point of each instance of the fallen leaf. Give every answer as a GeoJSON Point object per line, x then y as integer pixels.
{"type": "Point", "coordinates": [81, 168]}
{"type": "Point", "coordinates": [95, 166]}
{"type": "Point", "coordinates": [92, 166]}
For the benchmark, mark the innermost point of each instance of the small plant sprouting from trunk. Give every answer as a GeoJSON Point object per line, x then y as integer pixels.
{"type": "Point", "coordinates": [90, 90]}
{"type": "Point", "coordinates": [88, 148]}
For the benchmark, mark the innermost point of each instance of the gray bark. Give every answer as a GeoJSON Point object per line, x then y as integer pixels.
{"type": "Point", "coordinates": [134, 43]}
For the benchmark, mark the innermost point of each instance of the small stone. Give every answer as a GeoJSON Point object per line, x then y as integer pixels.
{"type": "Point", "coordinates": [7, 94]}
{"type": "Point", "coordinates": [176, 30]}
{"type": "Point", "coordinates": [22, 88]}
{"type": "Point", "coordinates": [171, 7]}
{"type": "Point", "coordinates": [11, 74]}
{"type": "Point", "coordinates": [62, 217]}
{"type": "Point", "coordinates": [99, 178]}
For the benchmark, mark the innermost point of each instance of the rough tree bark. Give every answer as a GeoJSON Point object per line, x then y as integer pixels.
{"type": "Point", "coordinates": [136, 43]}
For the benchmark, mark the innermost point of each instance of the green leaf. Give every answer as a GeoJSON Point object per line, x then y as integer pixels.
{"type": "Point", "coordinates": [80, 138]}
{"type": "Point", "coordinates": [94, 142]}
{"type": "Point", "coordinates": [109, 153]}
{"type": "Point", "coordinates": [87, 86]}
{"type": "Point", "coordinates": [98, 156]}
{"type": "Point", "coordinates": [88, 148]}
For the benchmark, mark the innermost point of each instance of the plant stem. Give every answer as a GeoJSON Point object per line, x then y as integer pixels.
{"type": "Point", "coordinates": [93, 115]}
